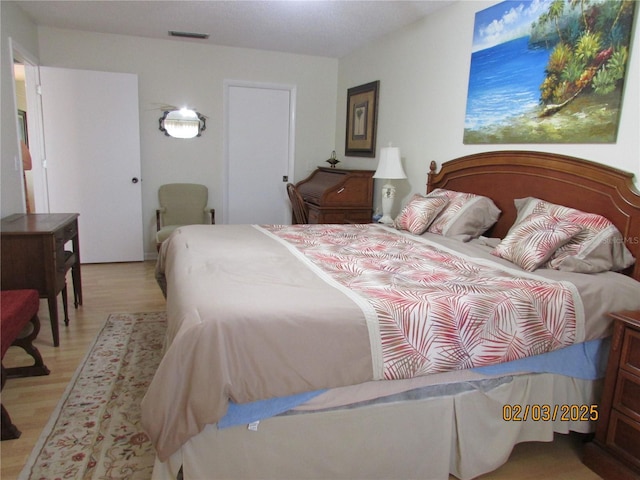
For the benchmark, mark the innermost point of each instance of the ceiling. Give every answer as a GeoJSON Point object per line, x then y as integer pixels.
{"type": "Point", "coordinates": [323, 28]}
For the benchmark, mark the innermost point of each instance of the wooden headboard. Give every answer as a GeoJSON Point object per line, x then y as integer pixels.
{"type": "Point", "coordinates": [573, 182]}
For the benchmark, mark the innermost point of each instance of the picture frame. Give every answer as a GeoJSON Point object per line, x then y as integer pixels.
{"type": "Point", "coordinates": [553, 73]}
{"type": "Point", "coordinates": [362, 120]}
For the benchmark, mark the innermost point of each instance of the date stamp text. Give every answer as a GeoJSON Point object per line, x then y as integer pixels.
{"type": "Point", "coordinates": [549, 413]}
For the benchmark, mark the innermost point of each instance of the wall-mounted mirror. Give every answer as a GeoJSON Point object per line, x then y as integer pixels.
{"type": "Point", "coordinates": [183, 123]}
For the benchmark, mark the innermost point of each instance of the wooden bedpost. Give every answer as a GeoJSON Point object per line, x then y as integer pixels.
{"type": "Point", "coordinates": [432, 172]}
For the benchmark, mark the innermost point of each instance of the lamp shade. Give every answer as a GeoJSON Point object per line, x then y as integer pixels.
{"type": "Point", "coordinates": [390, 165]}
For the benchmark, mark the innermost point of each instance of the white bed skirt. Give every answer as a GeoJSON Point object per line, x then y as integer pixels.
{"type": "Point", "coordinates": [463, 434]}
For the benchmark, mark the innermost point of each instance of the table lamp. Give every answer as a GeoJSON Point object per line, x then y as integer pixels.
{"type": "Point", "coordinates": [389, 168]}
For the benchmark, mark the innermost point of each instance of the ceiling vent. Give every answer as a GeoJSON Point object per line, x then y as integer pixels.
{"type": "Point", "coordinates": [198, 36]}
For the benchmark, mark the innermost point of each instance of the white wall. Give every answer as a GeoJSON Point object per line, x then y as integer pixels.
{"type": "Point", "coordinates": [424, 71]}
{"type": "Point", "coordinates": [187, 73]}
{"type": "Point", "coordinates": [18, 27]}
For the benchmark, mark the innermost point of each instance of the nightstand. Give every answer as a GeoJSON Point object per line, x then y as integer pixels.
{"type": "Point", "coordinates": [615, 451]}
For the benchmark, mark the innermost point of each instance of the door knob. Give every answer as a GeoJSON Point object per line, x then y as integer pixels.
{"type": "Point", "coordinates": [134, 180]}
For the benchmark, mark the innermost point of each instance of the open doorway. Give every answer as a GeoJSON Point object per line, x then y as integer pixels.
{"type": "Point", "coordinates": [23, 132]}
{"type": "Point", "coordinates": [30, 132]}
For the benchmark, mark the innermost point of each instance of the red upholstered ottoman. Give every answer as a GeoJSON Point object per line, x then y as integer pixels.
{"type": "Point", "coordinates": [19, 326]}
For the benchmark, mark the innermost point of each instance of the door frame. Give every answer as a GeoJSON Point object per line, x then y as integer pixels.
{"type": "Point", "coordinates": [35, 128]}
{"type": "Point", "coordinates": [228, 84]}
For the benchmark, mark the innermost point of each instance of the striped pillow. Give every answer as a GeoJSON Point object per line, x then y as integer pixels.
{"type": "Point", "coordinates": [534, 240]}
{"type": "Point", "coordinates": [466, 214]}
{"type": "Point", "coordinates": [419, 212]}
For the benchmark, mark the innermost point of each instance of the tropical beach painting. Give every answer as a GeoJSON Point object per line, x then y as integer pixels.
{"type": "Point", "coordinates": [548, 71]}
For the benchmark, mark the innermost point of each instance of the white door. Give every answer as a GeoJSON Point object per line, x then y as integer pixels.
{"type": "Point", "coordinates": [259, 153]}
{"type": "Point", "coordinates": [92, 152]}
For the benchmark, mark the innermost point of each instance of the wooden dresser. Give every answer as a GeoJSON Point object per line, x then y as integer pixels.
{"type": "Point", "coordinates": [334, 195]}
{"type": "Point", "coordinates": [34, 257]}
{"type": "Point", "coordinates": [615, 451]}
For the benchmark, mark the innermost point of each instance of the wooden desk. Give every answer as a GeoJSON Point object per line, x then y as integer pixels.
{"type": "Point", "coordinates": [33, 256]}
{"type": "Point", "coordinates": [334, 195]}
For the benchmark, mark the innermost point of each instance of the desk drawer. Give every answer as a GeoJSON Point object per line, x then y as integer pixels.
{"type": "Point", "coordinates": [70, 230]}
{"type": "Point", "coordinates": [65, 234]}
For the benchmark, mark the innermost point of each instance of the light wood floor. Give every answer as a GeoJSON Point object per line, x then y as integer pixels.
{"type": "Point", "coordinates": [106, 288]}
{"type": "Point", "coordinates": [131, 287]}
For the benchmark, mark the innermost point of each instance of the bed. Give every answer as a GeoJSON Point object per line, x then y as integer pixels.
{"type": "Point", "coordinates": [299, 351]}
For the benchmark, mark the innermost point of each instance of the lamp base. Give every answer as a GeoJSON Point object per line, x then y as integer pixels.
{"type": "Point", "coordinates": [386, 219]}
{"type": "Point", "coordinates": [388, 196]}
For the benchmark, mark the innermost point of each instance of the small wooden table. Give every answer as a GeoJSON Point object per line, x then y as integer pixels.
{"type": "Point", "coordinates": [34, 257]}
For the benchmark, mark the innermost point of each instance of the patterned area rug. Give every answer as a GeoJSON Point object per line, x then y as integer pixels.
{"type": "Point", "coordinates": [95, 432]}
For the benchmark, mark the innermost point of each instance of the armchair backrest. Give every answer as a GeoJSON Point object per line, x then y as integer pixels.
{"type": "Point", "coordinates": [183, 203]}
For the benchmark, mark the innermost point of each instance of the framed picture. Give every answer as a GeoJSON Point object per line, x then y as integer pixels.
{"type": "Point", "coordinates": [549, 71]}
{"type": "Point", "coordinates": [362, 120]}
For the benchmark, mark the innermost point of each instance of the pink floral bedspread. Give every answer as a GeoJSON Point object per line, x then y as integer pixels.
{"type": "Point", "coordinates": [436, 310]}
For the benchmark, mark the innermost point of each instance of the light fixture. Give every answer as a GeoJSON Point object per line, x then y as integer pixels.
{"type": "Point", "coordinates": [183, 123]}
{"type": "Point", "coordinates": [389, 168]}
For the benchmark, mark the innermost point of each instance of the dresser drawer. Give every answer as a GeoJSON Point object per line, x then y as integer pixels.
{"type": "Point", "coordinates": [339, 215]}
{"type": "Point", "coordinates": [364, 216]}
{"type": "Point", "coordinates": [314, 216]}
{"type": "Point", "coordinates": [624, 438]}
{"type": "Point", "coordinates": [630, 357]}
{"type": "Point", "coordinates": [626, 398]}
{"type": "Point", "coordinates": [335, 217]}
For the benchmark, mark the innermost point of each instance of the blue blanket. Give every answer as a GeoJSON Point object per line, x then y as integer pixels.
{"type": "Point", "coordinates": [585, 361]}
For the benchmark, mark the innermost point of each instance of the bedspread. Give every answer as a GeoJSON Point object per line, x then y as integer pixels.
{"type": "Point", "coordinates": [261, 312]}
{"type": "Point", "coordinates": [438, 311]}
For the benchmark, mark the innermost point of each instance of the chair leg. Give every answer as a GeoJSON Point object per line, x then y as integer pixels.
{"type": "Point", "coordinates": [9, 430]}
{"type": "Point", "coordinates": [26, 343]}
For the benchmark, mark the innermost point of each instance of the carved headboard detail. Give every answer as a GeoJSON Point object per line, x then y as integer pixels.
{"type": "Point", "coordinates": [573, 182]}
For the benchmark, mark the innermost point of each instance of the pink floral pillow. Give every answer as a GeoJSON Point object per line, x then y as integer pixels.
{"type": "Point", "coordinates": [419, 212]}
{"type": "Point", "coordinates": [599, 247]}
{"type": "Point", "coordinates": [532, 242]}
{"type": "Point", "coordinates": [465, 214]}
